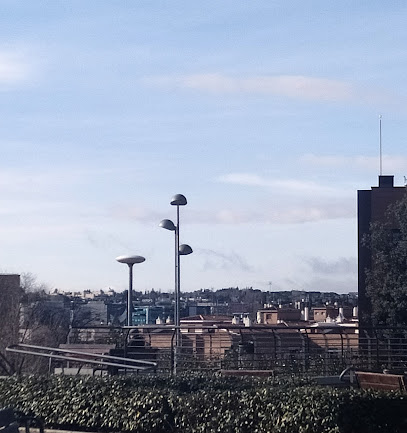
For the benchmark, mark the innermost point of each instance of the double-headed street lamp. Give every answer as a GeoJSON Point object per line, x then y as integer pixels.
{"type": "Point", "coordinates": [180, 250]}
{"type": "Point", "coordinates": [130, 261]}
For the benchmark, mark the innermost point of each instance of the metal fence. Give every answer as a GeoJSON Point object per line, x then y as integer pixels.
{"type": "Point", "coordinates": [326, 350]}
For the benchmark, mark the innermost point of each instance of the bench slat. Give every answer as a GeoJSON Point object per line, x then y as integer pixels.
{"type": "Point", "coordinates": [380, 381]}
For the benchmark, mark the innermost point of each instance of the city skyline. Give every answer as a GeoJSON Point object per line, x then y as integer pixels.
{"type": "Point", "coordinates": [265, 116]}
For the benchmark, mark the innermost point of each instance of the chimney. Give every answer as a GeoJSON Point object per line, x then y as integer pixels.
{"type": "Point", "coordinates": [386, 181]}
{"type": "Point", "coordinates": [306, 314]}
{"type": "Point", "coordinates": [247, 321]}
{"type": "Point", "coordinates": [235, 320]}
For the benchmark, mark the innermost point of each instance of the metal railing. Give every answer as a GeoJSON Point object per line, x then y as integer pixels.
{"type": "Point", "coordinates": [295, 350]}
{"type": "Point", "coordinates": [101, 361]}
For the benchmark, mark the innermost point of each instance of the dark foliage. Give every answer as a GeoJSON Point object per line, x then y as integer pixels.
{"type": "Point", "coordinates": [202, 403]}
{"type": "Point", "coordinates": [386, 281]}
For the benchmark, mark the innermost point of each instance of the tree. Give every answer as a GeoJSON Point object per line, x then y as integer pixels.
{"type": "Point", "coordinates": [30, 284]}
{"type": "Point", "coordinates": [386, 280]}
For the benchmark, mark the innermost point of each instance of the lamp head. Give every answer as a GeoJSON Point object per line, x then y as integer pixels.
{"type": "Point", "coordinates": [167, 224]}
{"type": "Point", "coordinates": [178, 200]}
{"type": "Point", "coordinates": [184, 250]}
{"type": "Point", "coordinates": [130, 260]}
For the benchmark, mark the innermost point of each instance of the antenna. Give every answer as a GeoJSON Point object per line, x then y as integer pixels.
{"type": "Point", "coordinates": [380, 142]}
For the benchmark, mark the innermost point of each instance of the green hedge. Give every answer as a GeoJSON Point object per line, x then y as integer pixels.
{"type": "Point", "coordinates": [198, 403]}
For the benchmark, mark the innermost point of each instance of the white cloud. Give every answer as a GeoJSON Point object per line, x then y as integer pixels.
{"type": "Point", "coordinates": [340, 284]}
{"type": "Point", "coordinates": [280, 212]}
{"type": "Point", "coordinates": [391, 163]}
{"type": "Point", "coordinates": [294, 201]}
{"type": "Point", "coordinates": [310, 212]}
{"type": "Point", "coordinates": [284, 186]}
{"type": "Point", "coordinates": [14, 68]}
{"type": "Point", "coordinates": [225, 261]}
{"type": "Point", "coordinates": [339, 266]}
{"type": "Point", "coordinates": [249, 179]}
{"type": "Point", "coordinates": [24, 183]}
{"type": "Point", "coordinates": [287, 201]}
{"type": "Point", "coordinates": [292, 86]}
{"type": "Point", "coordinates": [134, 213]}
{"type": "Point", "coordinates": [295, 86]}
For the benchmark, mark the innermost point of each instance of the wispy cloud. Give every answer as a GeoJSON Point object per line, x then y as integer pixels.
{"type": "Point", "coordinates": [217, 260]}
{"type": "Point", "coordinates": [340, 266]}
{"type": "Point", "coordinates": [135, 213]}
{"type": "Point", "coordinates": [326, 275]}
{"type": "Point", "coordinates": [280, 212]}
{"type": "Point", "coordinates": [14, 68]}
{"type": "Point", "coordinates": [40, 180]}
{"type": "Point", "coordinates": [103, 241]}
{"type": "Point", "coordinates": [284, 185]}
{"type": "Point", "coordinates": [391, 163]}
{"type": "Point", "coordinates": [311, 212]}
{"type": "Point", "coordinates": [291, 86]}
{"type": "Point", "coordinates": [296, 210]}
{"type": "Point", "coordinates": [341, 284]}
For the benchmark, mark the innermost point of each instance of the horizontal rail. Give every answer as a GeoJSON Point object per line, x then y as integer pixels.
{"type": "Point", "coordinates": [80, 352]}
{"type": "Point", "coordinates": [128, 363]}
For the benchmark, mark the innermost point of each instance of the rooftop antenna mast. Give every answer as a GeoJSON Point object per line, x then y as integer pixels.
{"type": "Point", "coordinates": [380, 142]}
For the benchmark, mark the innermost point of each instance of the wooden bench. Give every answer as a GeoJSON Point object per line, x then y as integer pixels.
{"type": "Point", "coordinates": [381, 381]}
{"type": "Point", "coordinates": [10, 424]}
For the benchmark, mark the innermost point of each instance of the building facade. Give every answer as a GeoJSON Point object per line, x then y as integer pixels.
{"type": "Point", "coordinates": [372, 207]}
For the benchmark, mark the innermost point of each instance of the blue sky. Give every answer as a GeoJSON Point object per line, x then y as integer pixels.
{"type": "Point", "coordinates": [263, 114]}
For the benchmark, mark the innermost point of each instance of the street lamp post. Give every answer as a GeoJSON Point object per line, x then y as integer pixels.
{"type": "Point", "coordinates": [130, 261]}
{"type": "Point", "coordinates": [180, 250]}
{"type": "Point", "coordinates": [183, 250]}
{"type": "Point", "coordinates": [178, 200]}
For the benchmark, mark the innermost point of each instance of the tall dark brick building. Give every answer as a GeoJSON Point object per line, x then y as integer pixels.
{"type": "Point", "coordinates": [372, 207]}
{"type": "Point", "coordinates": [9, 281]}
